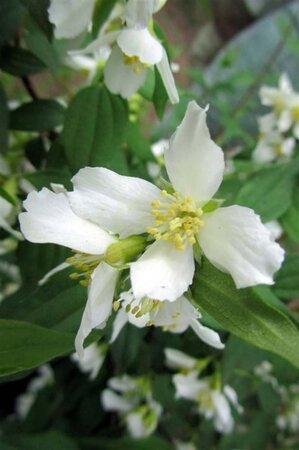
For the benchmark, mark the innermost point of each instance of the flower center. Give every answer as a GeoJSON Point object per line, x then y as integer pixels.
{"type": "Point", "coordinates": [84, 264]}
{"type": "Point", "coordinates": [177, 219]}
{"type": "Point", "coordinates": [135, 63]}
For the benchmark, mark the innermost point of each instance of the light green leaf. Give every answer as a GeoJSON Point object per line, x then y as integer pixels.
{"type": "Point", "coordinates": [24, 346]}
{"type": "Point", "coordinates": [287, 279]}
{"type": "Point", "coordinates": [244, 314]}
{"type": "Point", "coordinates": [269, 192]}
{"type": "Point", "coordinates": [95, 129]}
{"type": "Point", "coordinates": [38, 115]}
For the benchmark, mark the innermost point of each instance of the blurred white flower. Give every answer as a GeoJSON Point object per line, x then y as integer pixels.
{"type": "Point", "coordinates": [134, 50]}
{"type": "Point", "coordinates": [175, 317]}
{"type": "Point", "coordinates": [213, 403]}
{"type": "Point", "coordinates": [179, 445]}
{"type": "Point", "coordinates": [132, 399]}
{"type": "Point", "coordinates": [276, 230]}
{"type": "Point", "coordinates": [92, 361]}
{"type": "Point", "coordinates": [45, 377]}
{"type": "Point", "coordinates": [273, 146]}
{"type": "Point", "coordinates": [285, 103]}
{"type": "Point", "coordinates": [70, 17]}
{"type": "Point", "coordinates": [8, 215]}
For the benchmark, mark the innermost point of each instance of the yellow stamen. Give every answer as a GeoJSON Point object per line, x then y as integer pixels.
{"type": "Point", "coordinates": [135, 63]}
{"type": "Point", "coordinates": [85, 265]}
{"type": "Point", "coordinates": [177, 219]}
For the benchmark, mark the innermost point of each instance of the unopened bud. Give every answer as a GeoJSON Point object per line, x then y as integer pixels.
{"type": "Point", "coordinates": [125, 250]}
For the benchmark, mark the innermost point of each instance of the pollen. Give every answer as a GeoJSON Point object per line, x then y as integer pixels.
{"type": "Point", "coordinates": [135, 63]}
{"type": "Point", "coordinates": [177, 219]}
{"type": "Point", "coordinates": [85, 265]}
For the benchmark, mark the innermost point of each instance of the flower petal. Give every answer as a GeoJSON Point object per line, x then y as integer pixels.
{"type": "Point", "coordinates": [70, 17]}
{"type": "Point", "coordinates": [174, 316]}
{"type": "Point", "coordinates": [224, 421]}
{"type": "Point", "coordinates": [162, 272]}
{"type": "Point", "coordinates": [49, 218]}
{"type": "Point", "coordinates": [175, 359]}
{"type": "Point", "coordinates": [99, 303]}
{"type": "Point", "coordinates": [114, 402]}
{"type": "Point", "coordinates": [117, 203]}
{"type": "Point", "coordinates": [188, 386]}
{"type": "Point", "coordinates": [138, 13]}
{"type": "Point", "coordinates": [120, 321]}
{"type": "Point", "coordinates": [194, 163]}
{"type": "Point", "coordinates": [120, 78]}
{"type": "Point", "coordinates": [167, 77]}
{"type": "Point", "coordinates": [207, 335]}
{"type": "Point", "coordinates": [235, 241]}
{"type": "Point", "coordinates": [95, 46]}
{"type": "Point", "coordinates": [140, 43]}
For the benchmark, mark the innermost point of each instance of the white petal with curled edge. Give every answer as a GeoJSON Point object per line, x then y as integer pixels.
{"type": "Point", "coordinates": [235, 241]}
{"type": "Point", "coordinates": [207, 335]}
{"type": "Point", "coordinates": [285, 121]}
{"type": "Point", "coordinates": [162, 272]}
{"type": "Point", "coordinates": [140, 43]}
{"type": "Point", "coordinates": [70, 17]}
{"type": "Point", "coordinates": [121, 78]}
{"type": "Point", "coordinates": [138, 13]}
{"type": "Point", "coordinates": [167, 77]}
{"type": "Point", "coordinates": [115, 202]}
{"type": "Point", "coordinates": [194, 163]}
{"type": "Point", "coordinates": [99, 303]}
{"type": "Point", "coordinates": [50, 219]}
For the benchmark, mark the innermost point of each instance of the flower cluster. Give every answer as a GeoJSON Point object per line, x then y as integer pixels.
{"type": "Point", "coordinates": [117, 223]}
{"type": "Point", "coordinates": [278, 129]}
{"type": "Point", "coordinates": [129, 51]}
{"type": "Point", "coordinates": [132, 399]}
{"type": "Point", "coordinates": [212, 401]}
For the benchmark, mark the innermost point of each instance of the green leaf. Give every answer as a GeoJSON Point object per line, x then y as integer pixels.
{"type": "Point", "coordinates": [44, 178]}
{"type": "Point", "coordinates": [269, 192]}
{"type": "Point", "coordinates": [101, 13]}
{"type": "Point", "coordinates": [58, 304]}
{"type": "Point", "coordinates": [149, 443]}
{"type": "Point", "coordinates": [160, 95]}
{"type": "Point", "coordinates": [4, 120]}
{"type": "Point", "coordinates": [38, 115]}
{"type": "Point", "coordinates": [137, 143]}
{"type": "Point", "coordinates": [38, 9]}
{"type": "Point", "coordinates": [244, 314]}
{"type": "Point", "coordinates": [19, 61]}
{"type": "Point", "coordinates": [49, 440]}
{"type": "Point", "coordinates": [24, 346]}
{"type": "Point", "coordinates": [287, 279]}
{"type": "Point", "coordinates": [94, 130]}
{"type": "Point", "coordinates": [290, 220]}
{"type": "Point", "coordinates": [12, 14]}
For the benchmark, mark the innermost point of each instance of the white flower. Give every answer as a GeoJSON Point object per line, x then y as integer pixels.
{"type": "Point", "coordinates": [175, 359]}
{"type": "Point", "coordinates": [272, 145]}
{"type": "Point", "coordinates": [135, 49]}
{"type": "Point", "coordinates": [50, 218]}
{"type": "Point", "coordinates": [232, 238]}
{"type": "Point", "coordinates": [70, 17]}
{"type": "Point", "coordinates": [276, 230]}
{"type": "Point", "coordinates": [285, 102]}
{"type": "Point", "coordinates": [133, 401]}
{"type": "Point", "coordinates": [174, 316]}
{"type": "Point", "coordinates": [212, 403]}
{"type": "Point", "coordinates": [92, 360]}
{"type": "Point", "coordinates": [179, 445]}
{"type": "Point", "coordinates": [24, 402]}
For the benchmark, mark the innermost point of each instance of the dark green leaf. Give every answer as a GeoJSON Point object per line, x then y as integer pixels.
{"type": "Point", "coordinates": [269, 192]}
{"type": "Point", "coordinates": [287, 279]}
{"type": "Point", "coordinates": [137, 143]}
{"type": "Point", "coordinates": [49, 440]}
{"type": "Point", "coordinates": [38, 115]}
{"type": "Point", "coordinates": [290, 220]}
{"type": "Point", "coordinates": [24, 346]}
{"type": "Point", "coordinates": [149, 443]}
{"type": "Point", "coordinates": [19, 61]}
{"type": "Point", "coordinates": [12, 14]}
{"type": "Point", "coordinates": [4, 120]}
{"type": "Point", "coordinates": [94, 130]}
{"type": "Point", "coordinates": [38, 9]}
{"type": "Point", "coordinates": [244, 314]}
{"type": "Point", "coordinates": [44, 178]}
{"type": "Point", "coordinates": [160, 95]}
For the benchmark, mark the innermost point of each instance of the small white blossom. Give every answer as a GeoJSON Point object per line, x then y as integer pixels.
{"type": "Point", "coordinates": [24, 402]}
{"type": "Point", "coordinates": [92, 361]}
{"type": "Point", "coordinates": [131, 398]}
{"type": "Point", "coordinates": [272, 146]}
